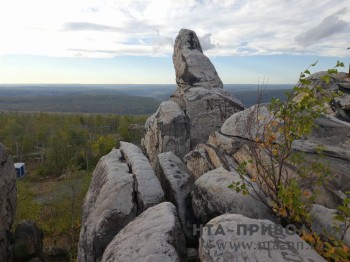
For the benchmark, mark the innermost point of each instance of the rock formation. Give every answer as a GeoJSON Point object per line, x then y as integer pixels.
{"type": "Point", "coordinates": [123, 186]}
{"type": "Point", "coordinates": [28, 242]}
{"type": "Point", "coordinates": [202, 104]}
{"type": "Point", "coordinates": [8, 195]}
{"type": "Point", "coordinates": [124, 219]}
{"type": "Point", "coordinates": [177, 183]}
{"type": "Point", "coordinates": [154, 236]}
{"type": "Point", "coordinates": [211, 197]}
{"type": "Point", "coordinates": [233, 237]}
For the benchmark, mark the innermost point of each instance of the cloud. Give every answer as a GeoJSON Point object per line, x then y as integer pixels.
{"type": "Point", "coordinates": [329, 26]}
{"type": "Point", "coordinates": [85, 26]}
{"type": "Point", "coordinates": [149, 27]}
{"type": "Point", "coordinates": [206, 43]}
{"type": "Point", "coordinates": [160, 42]}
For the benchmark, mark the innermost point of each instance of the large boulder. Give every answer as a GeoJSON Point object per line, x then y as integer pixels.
{"type": "Point", "coordinates": [192, 67]}
{"type": "Point", "coordinates": [123, 186]}
{"type": "Point", "coordinates": [28, 241]}
{"type": "Point", "coordinates": [148, 189]}
{"type": "Point", "coordinates": [211, 197]}
{"type": "Point", "coordinates": [340, 106]}
{"type": "Point", "coordinates": [108, 206]}
{"type": "Point", "coordinates": [234, 237]}
{"type": "Point", "coordinates": [207, 109]}
{"type": "Point", "coordinates": [154, 236]}
{"type": "Point", "coordinates": [206, 157]}
{"type": "Point", "coordinates": [167, 130]}
{"type": "Point", "coordinates": [8, 196]}
{"type": "Point", "coordinates": [197, 107]}
{"type": "Point", "coordinates": [177, 183]}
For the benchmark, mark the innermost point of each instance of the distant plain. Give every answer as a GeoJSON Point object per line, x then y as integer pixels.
{"type": "Point", "coordinates": [114, 99]}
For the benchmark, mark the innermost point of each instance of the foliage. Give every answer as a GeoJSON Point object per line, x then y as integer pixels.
{"type": "Point", "coordinates": [273, 159]}
{"type": "Point", "coordinates": [344, 215]}
{"type": "Point", "coordinates": [55, 142]}
{"type": "Point", "coordinates": [55, 205]}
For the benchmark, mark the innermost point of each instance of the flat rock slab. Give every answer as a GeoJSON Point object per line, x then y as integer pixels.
{"type": "Point", "coordinates": [224, 238]}
{"type": "Point", "coordinates": [211, 197]}
{"type": "Point", "coordinates": [154, 236]}
{"type": "Point", "coordinates": [148, 188]}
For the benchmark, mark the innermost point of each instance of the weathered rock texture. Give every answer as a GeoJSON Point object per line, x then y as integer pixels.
{"type": "Point", "coordinates": [340, 107]}
{"type": "Point", "coordinates": [198, 106]}
{"type": "Point", "coordinates": [168, 130]}
{"type": "Point", "coordinates": [154, 236]}
{"type": "Point", "coordinates": [240, 132]}
{"type": "Point", "coordinates": [323, 222]}
{"type": "Point", "coordinates": [228, 241]}
{"type": "Point", "coordinates": [28, 241]}
{"type": "Point", "coordinates": [206, 157]}
{"type": "Point", "coordinates": [148, 189]}
{"type": "Point", "coordinates": [109, 205]}
{"type": "Point", "coordinates": [8, 195]}
{"type": "Point", "coordinates": [177, 183]}
{"type": "Point", "coordinates": [211, 197]}
{"type": "Point", "coordinates": [123, 186]}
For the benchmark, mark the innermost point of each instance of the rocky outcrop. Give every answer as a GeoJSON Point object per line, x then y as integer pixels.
{"type": "Point", "coordinates": [153, 236]}
{"type": "Point", "coordinates": [323, 222]}
{"type": "Point", "coordinates": [234, 237]}
{"type": "Point", "coordinates": [177, 183]}
{"type": "Point", "coordinates": [123, 186]}
{"type": "Point", "coordinates": [8, 195]}
{"type": "Point", "coordinates": [28, 242]}
{"type": "Point", "coordinates": [206, 157]}
{"type": "Point", "coordinates": [198, 106]}
{"type": "Point", "coordinates": [211, 197]}
{"type": "Point", "coordinates": [168, 130]}
{"type": "Point", "coordinates": [340, 107]}
{"type": "Point", "coordinates": [108, 206]}
{"type": "Point", "coordinates": [148, 189]}
{"type": "Point", "coordinates": [192, 67]}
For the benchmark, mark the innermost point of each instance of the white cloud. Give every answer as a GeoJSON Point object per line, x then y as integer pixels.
{"type": "Point", "coordinates": [96, 28]}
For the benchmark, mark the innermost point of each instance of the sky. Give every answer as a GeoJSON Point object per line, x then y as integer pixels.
{"type": "Point", "coordinates": [131, 42]}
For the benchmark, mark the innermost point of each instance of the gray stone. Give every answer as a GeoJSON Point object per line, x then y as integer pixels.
{"type": "Point", "coordinates": [250, 124]}
{"type": "Point", "coordinates": [322, 221]}
{"type": "Point", "coordinates": [192, 67]}
{"type": "Point", "coordinates": [340, 107]}
{"type": "Point", "coordinates": [108, 206]}
{"type": "Point", "coordinates": [8, 196]}
{"type": "Point", "coordinates": [28, 241]}
{"type": "Point", "coordinates": [227, 241]}
{"type": "Point", "coordinates": [205, 157]}
{"type": "Point", "coordinates": [177, 183]}
{"type": "Point", "coordinates": [167, 130]}
{"type": "Point", "coordinates": [148, 188]}
{"type": "Point", "coordinates": [197, 163]}
{"type": "Point", "coordinates": [154, 236]}
{"type": "Point", "coordinates": [207, 109]}
{"type": "Point", "coordinates": [211, 197]}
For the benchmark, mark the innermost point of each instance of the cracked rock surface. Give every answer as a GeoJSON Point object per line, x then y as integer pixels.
{"type": "Point", "coordinates": [123, 185]}
{"type": "Point", "coordinates": [154, 236]}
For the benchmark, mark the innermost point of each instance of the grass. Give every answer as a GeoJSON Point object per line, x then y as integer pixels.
{"type": "Point", "coordinates": [55, 205]}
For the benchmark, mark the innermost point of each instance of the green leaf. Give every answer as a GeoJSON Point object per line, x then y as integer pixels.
{"type": "Point", "coordinates": [339, 218]}
{"type": "Point", "coordinates": [314, 63]}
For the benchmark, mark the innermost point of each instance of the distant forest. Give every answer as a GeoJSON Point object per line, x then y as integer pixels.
{"type": "Point", "coordinates": [111, 99]}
